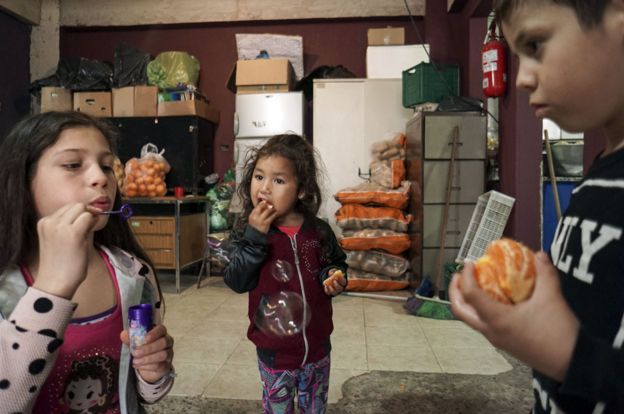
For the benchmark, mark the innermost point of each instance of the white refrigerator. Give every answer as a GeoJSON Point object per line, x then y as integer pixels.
{"type": "Point", "coordinates": [348, 116]}
{"type": "Point", "coordinates": [259, 116]}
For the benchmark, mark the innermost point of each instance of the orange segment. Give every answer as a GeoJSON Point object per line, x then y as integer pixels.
{"type": "Point", "coordinates": [485, 274]}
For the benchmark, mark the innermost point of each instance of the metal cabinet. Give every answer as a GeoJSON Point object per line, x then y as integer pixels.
{"type": "Point", "coordinates": [429, 139]}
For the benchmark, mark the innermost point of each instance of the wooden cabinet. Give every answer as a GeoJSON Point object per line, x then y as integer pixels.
{"type": "Point", "coordinates": [429, 138]}
{"type": "Point", "coordinates": [172, 231]}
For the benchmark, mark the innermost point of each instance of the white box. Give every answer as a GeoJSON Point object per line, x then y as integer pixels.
{"type": "Point", "coordinates": [389, 62]}
{"type": "Point", "coordinates": [241, 153]}
{"type": "Point", "coordinates": [267, 114]}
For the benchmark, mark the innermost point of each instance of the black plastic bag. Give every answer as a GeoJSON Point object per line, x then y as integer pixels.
{"type": "Point", "coordinates": [130, 66]}
{"type": "Point", "coordinates": [322, 72]}
{"type": "Point", "coordinates": [81, 74]}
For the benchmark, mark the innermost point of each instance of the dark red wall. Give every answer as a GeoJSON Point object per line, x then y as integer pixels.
{"type": "Point", "coordinates": [326, 42]}
{"type": "Point", "coordinates": [14, 71]}
{"type": "Point", "coordinates": [454, 38]}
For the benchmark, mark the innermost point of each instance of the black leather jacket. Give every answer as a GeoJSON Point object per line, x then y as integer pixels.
{"type": "Point", "coordinates": [312, 252]}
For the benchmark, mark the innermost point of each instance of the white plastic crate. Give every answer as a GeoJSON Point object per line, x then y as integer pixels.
{"type": "Point", "coordinates": [486, 224]}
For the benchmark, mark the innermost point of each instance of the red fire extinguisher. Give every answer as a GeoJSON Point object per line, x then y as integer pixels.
{"type": "Point", "coordinates": [493, 62]}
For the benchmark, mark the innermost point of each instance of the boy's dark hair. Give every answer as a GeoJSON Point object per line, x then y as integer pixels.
{"type": "Point", "coordinates": [20, 152]}
{"type": "Point", "coordinates": [302, 156]}
{"type": "Point", "coordinates": [588, 12]}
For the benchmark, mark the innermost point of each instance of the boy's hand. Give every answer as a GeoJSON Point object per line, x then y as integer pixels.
{"type": "Point", "coordinates": [64, 242]}
{"type": "Point", "coordinates": [336, 283]}
{"type": "Point", "coordinates": [152, 360]}
{"type": "Point", "coordinates": [540, 331]}
{"type": "Point", "coordinates": [262, 216]}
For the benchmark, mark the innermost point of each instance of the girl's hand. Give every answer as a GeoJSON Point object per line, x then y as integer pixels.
{"type": "Point", "coordinates": [540, 331]}
{"type": "Point", "coordinates": [64, 241]}
{"type": "Point", "coordinates": [152, 360]}
{"type": "Point", "coordinates": [334, 285]}
{"type": "Point", "coordinates": [262, 216]}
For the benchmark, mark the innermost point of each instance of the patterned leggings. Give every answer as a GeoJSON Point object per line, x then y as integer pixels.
{"type": "Point", "coordinates": [310, 383]}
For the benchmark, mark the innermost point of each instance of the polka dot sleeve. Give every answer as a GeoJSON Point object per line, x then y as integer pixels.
{"type": "Point", "coordinates": [28, 341]}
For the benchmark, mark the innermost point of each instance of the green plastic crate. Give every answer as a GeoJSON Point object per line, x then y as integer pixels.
{"type": "Point", "coordinates": [423, 83]}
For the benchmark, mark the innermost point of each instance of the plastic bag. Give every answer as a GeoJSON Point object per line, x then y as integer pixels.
{"type": "Point", "coordinates": [130, 66]}
{"type": "Point", "coordinates": [220, 197]}
{"type": "Point", "coordinates": [173, 69]}
{"type": "Point", "coordinates": [145, 176]}
{"type": "Point", "coordinates": [81, 74]}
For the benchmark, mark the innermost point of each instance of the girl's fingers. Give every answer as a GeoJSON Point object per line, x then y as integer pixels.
{"type": "Point", "coordinates": [163, 356]}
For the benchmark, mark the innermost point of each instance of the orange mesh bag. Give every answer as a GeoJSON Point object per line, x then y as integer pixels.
{"type": "Point", "coordinates": [506, 272]}
{"type": "Point", "coordinates": [358, 217]}
{"type": "Point", "coordinates": [389, 174]}
{"type": "Point", "coordinates": [386, 240]}
{"type": "Point", "coordinates": [375, 194]}
{"type": "Point", "coordinates": [360, 281]}
{"type": "Point", "coordinates": [145, 176]}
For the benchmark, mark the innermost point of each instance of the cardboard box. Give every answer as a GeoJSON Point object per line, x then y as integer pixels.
{"type": "Point", "coordinates": [191, 107]}
{"type": "Point", "coordinates": [278, 46]}
{"type": "Point", "coordinates": [93, 103]}
{"type": "Point", "coordinates": [261, 75]}
{"type": "Point", "coordinates": [135, 101]}
{"type": "Point", "coordinates": [386, 36]}
{"type": "Point", "coordinates": [55, 99]}
{"type": "Point", "coordinates": [389, 62]}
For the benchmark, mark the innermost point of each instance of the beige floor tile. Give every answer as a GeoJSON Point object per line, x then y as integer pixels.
{"type": "Point", "coordinates": [454, 337]}
{"type": "Point", "coordinates": [351, 333]}
{"type": "Point", "coordinates": [228, 313]}
{"type": "Point", "coordinates": [471, 360]}
{"type": "Point", "coordinates": [337, 378]}
{"type": "Point", "coordinates": [237, 300]}
{"type": "Point", "coordinates": [219, 329]}
{"type": "Point", "coordinates": [396, 335]}
{"type": "Point", "coordinates": [402, 358]}
{"type": "Point", "coordinates": [235, 382]}
{"type": "Point", "coordinates": [348, 355]}
{"type": "Point", "coordinates": [378, 316]}
{"type": "Point", "coordinates": [347, 301]}
{"type": "Point", "coordinates": [348, 316]}
{"type": "Point", "coordinates": [177, 327]}
{"type": "Point", "coordinates": [192, 379]}
{"type": "Point", "coordinates": [436, 323]}
{"type": "Point", "coordinates": [210, 350]}
{"type": "Point", "coordinates": [244, 354]}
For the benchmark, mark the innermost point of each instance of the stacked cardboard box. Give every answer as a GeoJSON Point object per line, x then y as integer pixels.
{"type": "Point", "coordinates": [261, 76]}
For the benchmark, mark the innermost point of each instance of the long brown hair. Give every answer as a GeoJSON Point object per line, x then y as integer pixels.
{"type": "Point", "coordinates": [20, 152]}
{"type": "Point", "coordinates": [302, 156]}
{"type": "Point", "coordinates": [305, 161]}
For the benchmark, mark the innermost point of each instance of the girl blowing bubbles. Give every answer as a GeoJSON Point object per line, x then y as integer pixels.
{"type": "Point", "coordinates": [69, 273]}
{"type": "Point", "coordinates": [281, 197]}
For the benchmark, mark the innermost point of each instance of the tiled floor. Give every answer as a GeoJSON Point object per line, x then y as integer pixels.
{"type": "Point", "coordinates": [214, 359]}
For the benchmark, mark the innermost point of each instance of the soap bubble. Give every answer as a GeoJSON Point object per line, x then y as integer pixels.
{"type": "Point", "coordinates": [281, 270]}
{"type": "Point", "coordinates": [282, 314]}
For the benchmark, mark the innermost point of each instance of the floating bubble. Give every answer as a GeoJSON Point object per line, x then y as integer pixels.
{"type": "Point", "coordinates": [282, 314]}
{"type": "Point", "coordinates": [281, 270]}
